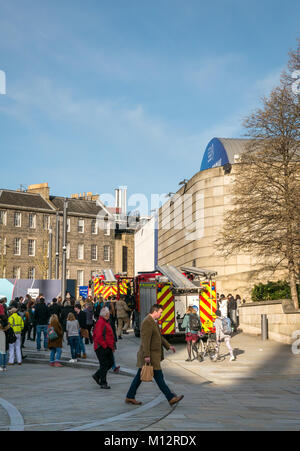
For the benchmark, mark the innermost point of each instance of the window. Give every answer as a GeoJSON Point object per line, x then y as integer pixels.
{"type": "Point", "coordinates": [94, 227]}
{"type": "Point", "coordinates": [31, 248]}
{"type": "Point", "coordinates": [125, 259]}
{"type": "Point", "coordinates": [80, 278]}
{"type": "Point", "coordinates": [47, 223]}
{"type": "Point", "coordinates": [32, 221]}
{"type": "Point", "coordinates": [94, 252]}
{"type": "Point", "coordinates": [80, 251]}
{"type": "Point", "coordinates": [17, 246]}
{"type": "Point", "coordinates": [80, 225]}
{"type": "Point", "coordinates": [17, 219]}
{"type": "Point", "coordinates": [68, 274]}
{"type": "Point", "coordinates": [16, 272]}
{"type": "Point", "coordinates": [31, 273]}
{"type": "Point", "coordinates": [68, 225]}
{"type": "Point", "coordinates": [3, 217]}
{"type": "Point", "coordinates": [68, 251]}
{"type": "Point", "coordinates": [3, 272]}
{"type": "Point", "coordinates": [3, 246]}
{"type": "Point", "coordinates": [106, 228]}
{"type": "Point", "coordinates": [106, 256]}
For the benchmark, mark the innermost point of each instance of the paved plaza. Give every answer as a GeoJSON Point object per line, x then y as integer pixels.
{"type": "Point", "coordinates": [259, 391]}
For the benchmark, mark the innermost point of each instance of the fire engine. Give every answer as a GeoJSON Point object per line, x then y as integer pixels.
{"type": "Point", "coordinates": [108, 284]}
{"type": "Point", "coordinates": [175, 291]}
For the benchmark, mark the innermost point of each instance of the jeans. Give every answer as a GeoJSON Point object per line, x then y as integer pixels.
{"type": "Point", "coordinates": [81, 347]}
{"type": "Point", "coordinates": [56, 351]}
{"type": "Point", "coordinates": [159, 379]}
{"type": "Point", "coordinates": [74, 345]}
{"type": "Point", "coordinates": [3, 360]}
{"type": "Point", "coordinates": [39, 330]}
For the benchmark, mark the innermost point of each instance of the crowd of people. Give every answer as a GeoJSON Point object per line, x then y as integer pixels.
{"type": "Point", "coordinates": [49, 324]}
{"type": "Point", "coordinates": [102, 323]}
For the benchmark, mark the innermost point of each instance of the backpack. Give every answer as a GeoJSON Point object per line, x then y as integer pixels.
{"type": "Point", "coordinates": [226, 326]}
{"type": "Point", "coordinates": [52, 335]}
{"type": "Point", "coordinates": [11, 336]}
{"type": "Point", "coordinates": [194, 322]}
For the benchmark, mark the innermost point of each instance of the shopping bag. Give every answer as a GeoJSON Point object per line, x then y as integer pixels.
{"type": "Point", "coordinates": [147, 373]}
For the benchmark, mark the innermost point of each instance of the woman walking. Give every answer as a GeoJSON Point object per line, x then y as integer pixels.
{"type": "Point", "coordinates": [55, 344]}
{"type": "Point", "coordinates": [72, 329]}
{"type": "Point", "coordinates": [192, 325]}
{"type": "Point", "coordinates": [104, 345]}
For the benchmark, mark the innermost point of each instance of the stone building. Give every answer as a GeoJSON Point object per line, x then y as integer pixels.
{"type": "Point", "coordinates": [191, 220]}
{"type": "Point", "coordinates": [26, 220]}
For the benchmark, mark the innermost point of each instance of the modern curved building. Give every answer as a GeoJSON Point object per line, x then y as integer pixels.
{"type": "Point", "coordinates": [191, 221]}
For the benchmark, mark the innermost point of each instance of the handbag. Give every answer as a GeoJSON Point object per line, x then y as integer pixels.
{"type": "Point", "coordinates": [52, 335]}
{"type": "Point", "coordinates": [147, 373]}
{"type": "Point", "coordinates": [11, 336]}
{"type": "Point", "coordinates": [84, 333]}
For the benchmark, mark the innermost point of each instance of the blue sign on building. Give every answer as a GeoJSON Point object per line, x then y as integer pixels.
{"type": "Point", "coordinates": [84, 292]}
{"type": "Point", "coordinates": [214, 156]}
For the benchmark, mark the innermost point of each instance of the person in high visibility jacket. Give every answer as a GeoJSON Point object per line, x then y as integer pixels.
{"type": "Point", "coordinates": [17, 325]}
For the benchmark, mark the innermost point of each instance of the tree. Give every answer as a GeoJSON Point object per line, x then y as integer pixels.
{"type": "Point", "coordinates": [264, 220]}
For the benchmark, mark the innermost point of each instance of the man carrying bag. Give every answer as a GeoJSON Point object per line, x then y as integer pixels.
{"type": "Point", "coordinates": [151, 353]}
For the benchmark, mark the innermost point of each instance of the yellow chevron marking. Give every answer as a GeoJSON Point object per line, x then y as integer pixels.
{"type": "Point", "coordinates": [167, 310]}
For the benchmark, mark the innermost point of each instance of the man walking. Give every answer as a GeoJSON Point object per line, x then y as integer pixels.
{"type": "Point", "coordinates": [151, 351]}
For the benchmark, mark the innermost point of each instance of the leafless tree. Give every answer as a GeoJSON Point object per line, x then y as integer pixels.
{"type": "Point", "coordinates": [265, 216]}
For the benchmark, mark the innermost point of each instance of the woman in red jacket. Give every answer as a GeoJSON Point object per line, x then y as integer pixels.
{"type": "Point", "coordinates": [104, 345]}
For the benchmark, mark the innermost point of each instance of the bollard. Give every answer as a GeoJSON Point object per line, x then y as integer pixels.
{"type": "Point", "coordinates": [264, 327]}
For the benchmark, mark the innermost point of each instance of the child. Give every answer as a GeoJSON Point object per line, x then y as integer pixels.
{"type": "Point", "coordinates": [221, 335]}
{"type": "Point", "coordinates": [72, 329]}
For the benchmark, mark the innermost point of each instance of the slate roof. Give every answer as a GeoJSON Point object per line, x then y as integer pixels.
{"type": "Point", "coordinates": [22, 199]}
{"type": "Point", "coordinates": [77, 206]}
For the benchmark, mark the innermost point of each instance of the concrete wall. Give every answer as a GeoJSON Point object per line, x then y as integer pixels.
{"type": "Point", "coordinates": [283, 321]}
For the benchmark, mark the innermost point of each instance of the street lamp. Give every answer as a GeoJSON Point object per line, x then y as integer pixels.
{"type": "Point", "coordinates": [64, 255]}
{"type": "Point", "coordinates": [50, 253]}
{"type": "Point", "coordinates": [183, 182]}
{"type": "Point", "coordinates": [57, 247]}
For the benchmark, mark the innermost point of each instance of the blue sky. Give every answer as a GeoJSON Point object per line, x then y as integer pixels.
{"type": "Point", "coordinates": [104, 93]}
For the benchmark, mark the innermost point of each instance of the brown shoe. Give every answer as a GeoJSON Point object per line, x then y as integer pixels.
{"type": "Point", "coordinates": [83, 356]}
{"type": "Point", "coordinates": [133, 401]}
{"type": "Point", "coordinates": [175, 400]}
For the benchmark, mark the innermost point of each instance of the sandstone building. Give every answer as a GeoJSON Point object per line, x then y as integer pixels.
{"type": "Point", "coordinates": [27, 219]}
{"type": "Point", "coordinates": [191, 220]}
